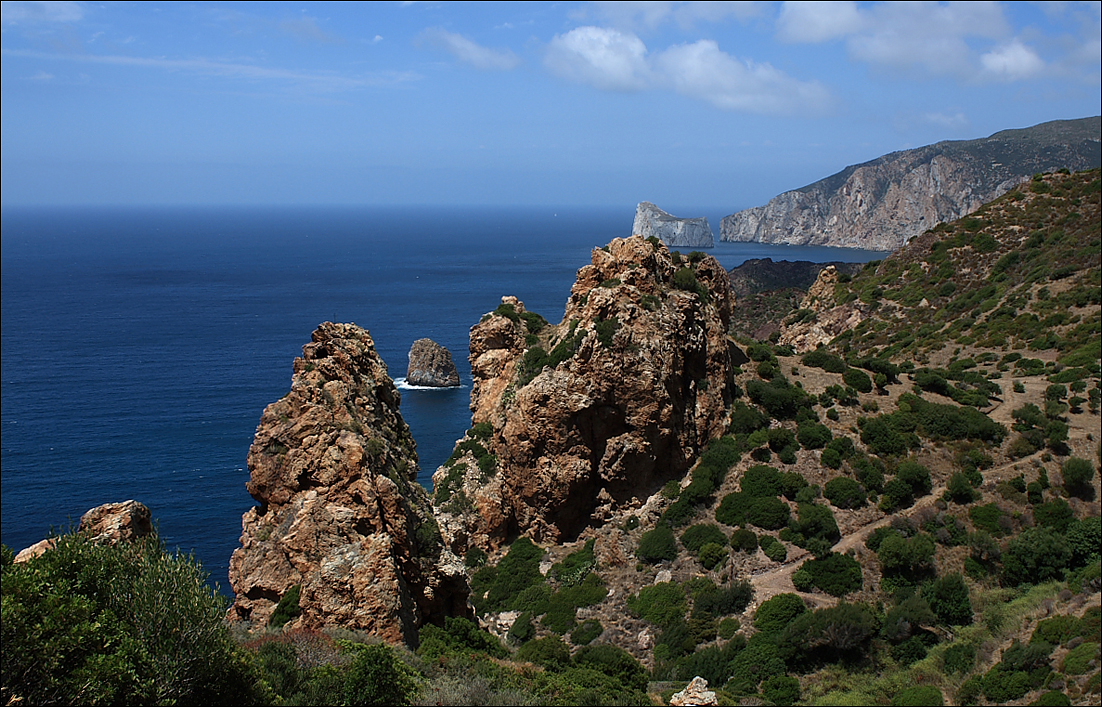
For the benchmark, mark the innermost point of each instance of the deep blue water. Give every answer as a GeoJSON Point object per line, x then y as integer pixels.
{"type": "Point", "coordinates": [140, 346]}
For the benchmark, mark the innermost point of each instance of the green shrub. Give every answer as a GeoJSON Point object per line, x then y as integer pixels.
{"type": "Point", "coordinates": [858, 380]}
{"type": "Point", "coordinates": [759, 661]}
{"type": "Point", "coordinates": [712, 555]}
{"type": "Point", "coordinates": [828, 634]}
{"type": "Point", "coordinates": [586, 632]}
{"type": "Point", "coordinates": [813, 435]}
{"type": "Point", "coordinates": [697, 536]}
{"type": "Point", "coordinates": [1084, 538]}
{"type": "Point", "coordinates": [1052, 698]}
{"type": "Point", "coordinates": [948, 598]}
{"type": "Point", "coordinates": [919, 696]}
{"type": "Point", "coordinates": [906, 556]}
{"type": "Point", "coordinates": [768, 512]}
{"type": "Point", "coordinates": [1037, 555]}
{"type": "Point", "coordinates": [518, 570]}
{"type": "Point", "coordinates": [657, 545]}
{"type": "Point", "coordinates": [776, 613]}
{"type": "Point", "coordinates": [661, 604]}
{"type": "Point", "coordinates": [835, 574]}
{"type": "Point", "coordinates": [1078, 474]}
{"type": "Point", "coordinates": [844, 492]}
{"type": "Point", "coordinates": [761, 480]}
{"type": "Point", "coordinates": [376, 676]}
{"type": "Point", "coordinates": [959, 658]}
{"type": "Point", "coordinates": [615, 662]}
{"type": "Point", "coordinates": [721, 601]}
{"type": "Point", "coordinates": [1078, 660]}
{"type": "Point", "coordinates": [131, 623]}
{"type": "Point", "coordinates": [744, 540]}
{"type": "Point", "coordinates": [458, 635]}
{"type": "Point", "coordinates": [732, 509]}
{"type": "Point", "coordinates": [287, 608]}
{"type": "Point", "coordinates": [781, 690]}
{"type": "Point", "coordinates": [821, 358]}
{"type": "Point", "coordinates": [776, 552]}
{"type": "Point", "coordinates": [1055, 514]}
{"type": "Point", "coordinates": [550, 652]}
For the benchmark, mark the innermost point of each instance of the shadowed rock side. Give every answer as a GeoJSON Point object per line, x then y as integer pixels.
{"type": "Point", "coordinates": [430, 364]}
{"type": "Point", "coordinates": [882, 204]}
{"type": "Point", "coordinates": [592, 416]}
{"type": "Point", "coordinates": [762, 274]}
{"type": "Point", "coordinates": [340, 513]}
{"type": "Point", "coordinates": [675, 232]}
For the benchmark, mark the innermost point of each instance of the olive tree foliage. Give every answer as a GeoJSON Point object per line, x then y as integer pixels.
{"type": "Point", "coordinates": [86, 623]}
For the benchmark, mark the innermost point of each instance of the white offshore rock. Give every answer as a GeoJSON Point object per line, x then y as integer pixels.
{"type": "Point", "coordinates": [673, 231]}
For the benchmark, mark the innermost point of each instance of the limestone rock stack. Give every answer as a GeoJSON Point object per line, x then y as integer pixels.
{"type": "Point", "coordinates": [673, 231]}
{"type": "Point", "coordinates": [608, 405]}
{"type": "Point", "coordinates": [431, 365]}
{"type": "Point", "coordinates": [340, 513]}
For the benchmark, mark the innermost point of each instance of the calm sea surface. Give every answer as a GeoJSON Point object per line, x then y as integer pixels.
{"type": "Point", "coordinates": [141, 345]}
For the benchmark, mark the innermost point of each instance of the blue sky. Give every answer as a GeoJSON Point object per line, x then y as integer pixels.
{"type": "Point", "coordinates": [681, 103]}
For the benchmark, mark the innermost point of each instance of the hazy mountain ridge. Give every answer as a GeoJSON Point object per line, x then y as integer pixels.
{"type": "Point", "coordinates": [883, 203]}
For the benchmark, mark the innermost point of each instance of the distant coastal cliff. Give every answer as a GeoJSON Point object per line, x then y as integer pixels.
{"type": "Point", "coordinates": [882, 204]}
{"type": "Point", "coordinates": [673, 231]}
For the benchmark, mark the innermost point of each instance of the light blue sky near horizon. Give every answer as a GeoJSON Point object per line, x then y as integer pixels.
{"type": "Point", "coordinates": [684, 104]}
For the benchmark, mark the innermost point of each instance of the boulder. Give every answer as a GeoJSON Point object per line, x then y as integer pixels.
{"type": "Point", "coordinates": [431, 365]}
{"type": "Point", "coordinates": [339, 510]}
{"type": "Point", "coordinates": [697, 693]}
{"type": "Point", "coordinates": [109, 524]}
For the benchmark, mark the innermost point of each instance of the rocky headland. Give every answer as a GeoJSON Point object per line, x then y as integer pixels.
{"type": "Point", "coordinates": [431, 365]}
{"type": "Point", "coordinates": [882, 204]}
{"type": "Point", "coordinates": [577, 422]}
{"type": "Point", "coordinates": [340, 514]}
{"type": "Point", "coordinates": [673, 231]}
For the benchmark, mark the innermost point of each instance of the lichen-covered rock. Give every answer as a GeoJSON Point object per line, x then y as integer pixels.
{"type": "Point", "coordinates": [673, 231]}
{"type": "Point", "coordinates": [599, 413]}
{"type": "Point", "coordinates": [431, 365]}
{"type": "Point", "coordinates": [334, 468]}
{"type": "Point", "coordinates": [697, 694]}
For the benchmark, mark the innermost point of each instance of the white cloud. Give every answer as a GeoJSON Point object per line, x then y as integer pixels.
{"type": "Point", "coordinates": [15, 12]}
{"type": "Point", "coordinates": [928, 37]}
{"type": "Point", "coordinates": [954, 121]}
{"type": "Point", "coordinates": [613, 60]}
{"type": "Point", "coordinates": [307, 29]}
{"type": "Point", "coordinates": [818, 21]}
{"type": "Point", "coordinates": [1011, 62]}
{"type": "Point", "coordinates": [649, 15]}
{"type": "Point", "coordinates": [701, 70]}
{"type": "Point", "coordinates": [607, 59]}
{"type": "Point", "coordinates": [41, 76]}
{"type": "Point", "coordinates": [468, 51]}
{"type": "Point", "coordinates": [317, 82]}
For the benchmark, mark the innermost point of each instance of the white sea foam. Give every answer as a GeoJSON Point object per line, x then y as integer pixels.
{"type": "Point", "coordinates": [401, 384]}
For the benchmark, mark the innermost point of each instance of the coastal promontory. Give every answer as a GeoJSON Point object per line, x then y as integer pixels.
{"type": "Point", "coordinates": [882, 204]}
{"type": "Point", "coordinates": [340, 519]}
{"type": "Point", "coordinates": [673, 231]}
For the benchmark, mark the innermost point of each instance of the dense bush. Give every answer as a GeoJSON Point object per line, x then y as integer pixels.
{"type": "Point", "coordinates": [844, 492]}
{"type": "Point", "coordinates": [779, 398]}
{"type": "Point", "coordinates": [821, 358]}
{"type": "Point", "coordinates": [761, 480]}
{"type": "Point", "coordinates": [1078, 474]}
{"type": "Point", "coordinates": [86, 623]}
{"type": "Point", "coordinates": [657, 545]}
{"type": "Point", "coordinates": [776, 613]}
{"type": "Point", "coordinates": [1084, 538]}
{"type": "Point", "coordinates": [906, 556]}
{"type": "Point", "coordinates": [948, 598]}
{"type": "Point", "coordinates": [744, 540]}
{"type": "Point", "coordinates": [919, 696]}
{"type": "Point", "coordinates": [495, 588]}
{"type": "Point", "coordinates": [701, 534]}
{"type": "Point", "coordinates": [1055, 514]}
{"type": "Point", "coordinates": [828, 634]}
{"type": "Point", "coordinates": [835, 574]}
{"type": "Point", "coordinates": [781, 690]}
{"type": "Point", "coordinates": [661, 604]}
{"type": "Point", "coordinates": [1037, 555]}
{"type": "Point", "coordinates": [732, 509]}
{"type": "Point", "coordinates": [959, 658]}
{"type": "Point", "coordinates": [722, 601]}
{"type": "Point", "coordinates": [759, 661]}
{"type": "Point", "coordinates": [614, 661]}
{"type": "Point", "coordinates": [858, 380]}
{"type": "Point", "coordinates": [768, 512]}
{"type": "Point", "coordinates": [458, 634]}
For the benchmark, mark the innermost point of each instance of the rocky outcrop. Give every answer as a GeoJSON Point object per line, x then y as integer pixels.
{"type": "Point", "coordinates": [696, 694]}
{"type": "Point", "coordinates": [882, 204]}
{"type": "Point", "coordinates": [762, 274]}
{"type": "Point", "coordinates": [674, 232]}
{"type": "Point", "coordinates": [340, 513]}
{"type": "Point", "coordinates": [108, 524]}
{"type": "Point", "coordinates": [599, 411]}
{"type": "Point", "coordinates": [431, 365]}
{"type": "Point", "coordinates": [828, 321]}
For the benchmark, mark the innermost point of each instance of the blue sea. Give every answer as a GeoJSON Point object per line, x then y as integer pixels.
{"type": "Point", "coordinates": [140, 345]}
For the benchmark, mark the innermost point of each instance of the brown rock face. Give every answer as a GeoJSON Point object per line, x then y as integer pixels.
{"type": "Point", "coordinates": [604, 409]}
{"type": "Point", "coordinates": [430, 364]}
{"type": "Point", "coordinates": [340, 513]}
{"type": "Point", "coordinates": [829, 320]}
{"type": "Point", "coordinates": [108, 524]}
